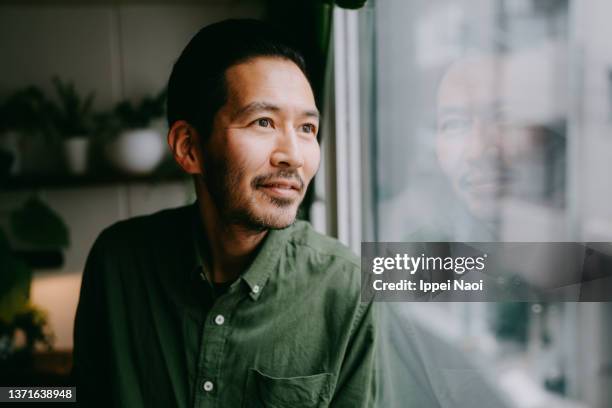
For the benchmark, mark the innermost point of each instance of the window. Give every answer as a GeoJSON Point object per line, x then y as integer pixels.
{"type": "Point", "coordinates": [490, 121]}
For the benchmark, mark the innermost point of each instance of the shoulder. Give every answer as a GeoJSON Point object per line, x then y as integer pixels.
{"type": "Point", "coordinates": [306, 238]}
{"type": "Point", "coordinates": [144, 231]}
{"type": "Point", "coordinates": [336, 271]}
{"type": "Point", "coordinates": [325, 261]}
{"type": "Point", "coordinates": [131, 251]}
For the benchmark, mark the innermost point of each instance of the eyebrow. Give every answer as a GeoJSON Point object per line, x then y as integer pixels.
{"type": "Point", "coordinates": [491, 109]}
{"type": "Point", "coordinates": [254, 107]}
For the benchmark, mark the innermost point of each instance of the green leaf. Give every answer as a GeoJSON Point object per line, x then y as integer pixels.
{"type": "Point", "coordinates": [73, 115]}
{"type": "Point", "coordinates": [24, 110]}
{"type": "Point", "coordinates": [37, 224]}
{"type": "Point", "coordinates": [14, 282]}
{"type": "Point", "coordinates": [14, 300]}
{"type": "Point", "coordinates": [140, 115]}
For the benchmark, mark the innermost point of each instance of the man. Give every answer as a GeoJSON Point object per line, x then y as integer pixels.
{"type": "Point", "coordinates": [229, 302]}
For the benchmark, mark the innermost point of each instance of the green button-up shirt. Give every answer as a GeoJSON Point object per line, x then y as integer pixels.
{"type": "Point", "coordinates": [290, 332]}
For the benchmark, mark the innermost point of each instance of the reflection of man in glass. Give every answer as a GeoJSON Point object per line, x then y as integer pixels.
{"type": "Point", "coordinates": [497, 140]}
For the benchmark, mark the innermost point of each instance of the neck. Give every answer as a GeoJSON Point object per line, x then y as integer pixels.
{"type": "Point", "coordinates": [232, 247]}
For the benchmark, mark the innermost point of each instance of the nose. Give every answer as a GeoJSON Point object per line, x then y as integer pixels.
{"type": "Point", "coordinates": [287, 152]}
{"type": "Point", "coordinates": [484, 141]}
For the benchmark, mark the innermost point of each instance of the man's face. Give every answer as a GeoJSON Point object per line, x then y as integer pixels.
{"type": "Point", "coordinates": [490, 142]}
{"type": "Point", "coordinates": [263, 150]}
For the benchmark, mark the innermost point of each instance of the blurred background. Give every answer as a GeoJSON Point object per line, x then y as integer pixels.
{"type": "Point", "coordinates": [489, 121]}
{"type": "Point", "coordinates": [443, 120]}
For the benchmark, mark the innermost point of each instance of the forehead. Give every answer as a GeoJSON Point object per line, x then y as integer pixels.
{"type": "Point", "coordinates": [269, 79]}
{"type": "Point", "coordinates": [528, 85]}
{"type": "Point", "coordinates": [471, 82]}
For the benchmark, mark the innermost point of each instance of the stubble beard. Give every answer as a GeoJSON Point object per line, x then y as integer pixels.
{"type": "Point", "coordinates": [223, 184]}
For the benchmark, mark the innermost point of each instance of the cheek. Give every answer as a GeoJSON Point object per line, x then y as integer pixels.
{"type": "Point", "coordinates": [312, 158]}
{"type": "Point", "coordinates": [449, 154]}
{"type": "Point", "coordinates": [248, 153]}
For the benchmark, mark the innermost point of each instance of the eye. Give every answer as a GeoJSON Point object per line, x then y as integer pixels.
{"type": "Point", "coordinates": [456, 125]}
{"type": "Point", "coordinates": [263, 122]}
{"type": "Point", "coordinates": [308, 128]}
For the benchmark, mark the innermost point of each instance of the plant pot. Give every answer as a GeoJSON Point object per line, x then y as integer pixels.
{"type": "Point", "coordinates": [137, 151]}
{"type": "Point", "coordinates": [75, 151]}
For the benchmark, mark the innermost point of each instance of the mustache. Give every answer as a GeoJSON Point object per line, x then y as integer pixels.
{"type": "Point", "coordinates": [283, 174]}
{"type": "Point", "coordinates": [486, 171]}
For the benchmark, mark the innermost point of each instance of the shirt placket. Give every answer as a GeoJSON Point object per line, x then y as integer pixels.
{"type": "Point", "coordinates": [215, 331]}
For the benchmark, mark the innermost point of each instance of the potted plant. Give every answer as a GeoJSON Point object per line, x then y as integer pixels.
{"type": "Point", "coordinates": [73, 121]}
{"type": "Point", "coordinates": [24, 326]}
{"type": "Point", "coordinates": [24, 124]}
{"type": "Point", "coordinates": [138, 148]}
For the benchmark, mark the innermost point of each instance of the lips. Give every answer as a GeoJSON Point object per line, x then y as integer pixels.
{"type": "Point", "coordinates": [480, 178]}
{"type": "Point", "coordinates": [282, 185]}
{"type": "Point", "coordinates": [283, 189]}
{"type": "Point", "coordinates": [485, 184]}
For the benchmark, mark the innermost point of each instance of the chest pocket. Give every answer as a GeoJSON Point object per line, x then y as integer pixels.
{"type": "Point", "coordinates": [311, 391]}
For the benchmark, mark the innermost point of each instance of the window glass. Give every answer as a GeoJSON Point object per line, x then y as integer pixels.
{"type": "Point", "coordinates": [489, 121]}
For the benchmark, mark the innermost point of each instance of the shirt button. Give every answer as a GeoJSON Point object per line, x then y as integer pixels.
{"type": "Point", "coordinates": [219, 319]}
{"type": "Point", "coordinates": [208, 386]}
{"type": "Point", "coordinates": [256, 289]}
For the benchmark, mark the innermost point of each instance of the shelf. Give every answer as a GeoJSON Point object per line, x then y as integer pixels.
{"type": "Point", "coordinates": [42, 182]}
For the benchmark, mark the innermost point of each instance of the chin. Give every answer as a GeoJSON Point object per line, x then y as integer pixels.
{"type": "Point", "coordinates": [261, 216]}
{"type": "Point", "coordinates": [280, 226]}
{"type": "Point", "coordinates": [485, 210]}
{"type": "Point", "coordinates": [279, 219]}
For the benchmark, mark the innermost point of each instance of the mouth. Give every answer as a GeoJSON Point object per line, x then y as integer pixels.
{"type": "Point", "coordinates": [281, 188]}
{"type": "Point", "coordinates": [485, 184]}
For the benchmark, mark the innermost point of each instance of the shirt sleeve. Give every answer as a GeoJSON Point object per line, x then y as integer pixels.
{"type": "Point", "coordinates": [357, 382]}
{"type": "Point", "coordinates": [91, 360]}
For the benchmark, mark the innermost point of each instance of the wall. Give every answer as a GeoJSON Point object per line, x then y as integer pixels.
{"type": "Point", "coordinates": [118, 51]}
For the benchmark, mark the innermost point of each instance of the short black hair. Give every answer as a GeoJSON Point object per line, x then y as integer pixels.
{"type": "Point", "coordinates": [197, 87]}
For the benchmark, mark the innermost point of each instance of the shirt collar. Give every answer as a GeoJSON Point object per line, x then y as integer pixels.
{"type": "Point", "coordinates": [257, 274]}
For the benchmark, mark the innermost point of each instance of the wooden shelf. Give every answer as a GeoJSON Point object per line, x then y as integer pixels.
{"type": "Point", "coordinates": [42, 182]}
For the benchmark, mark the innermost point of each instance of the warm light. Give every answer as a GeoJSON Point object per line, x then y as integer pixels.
{"type": "Point", "coordinates": [58, 295]}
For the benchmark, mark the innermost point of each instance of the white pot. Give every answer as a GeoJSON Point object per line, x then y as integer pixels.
{"type": "Point", "coordinates": [137, 151]}
{"type": "Point", "coordinates": [75, 151]}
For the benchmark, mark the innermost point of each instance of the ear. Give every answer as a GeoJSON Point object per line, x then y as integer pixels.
{"type": "Point", "coordinates": [182, 139]}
